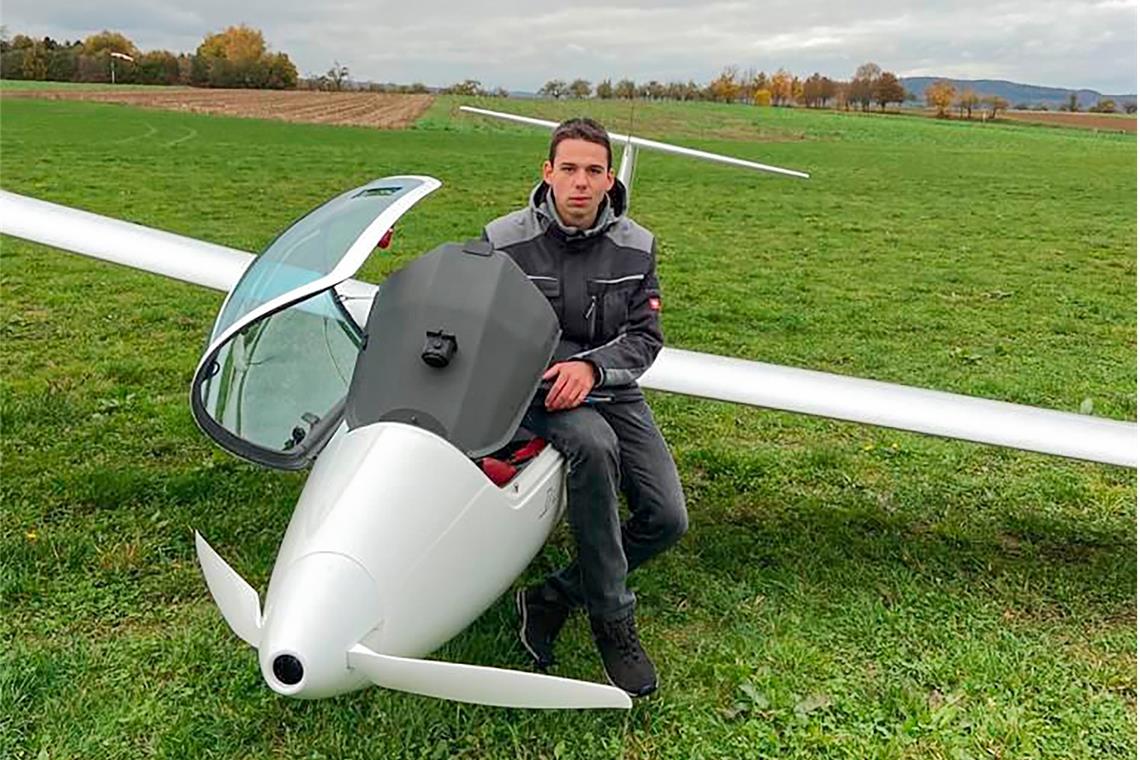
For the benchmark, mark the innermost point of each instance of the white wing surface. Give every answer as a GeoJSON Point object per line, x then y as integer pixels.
{"type": "Point", "coordinates": [640, 142]}
{"type": "Point", "coordinates": [676, 371]}
{"type": "Point", "coordinates": [133, 245]}
{"type": "Point", "coordinates": [895, 406]}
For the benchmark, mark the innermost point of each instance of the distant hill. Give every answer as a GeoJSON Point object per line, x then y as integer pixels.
{"type": "Point", "coordinates": [1015, 93]}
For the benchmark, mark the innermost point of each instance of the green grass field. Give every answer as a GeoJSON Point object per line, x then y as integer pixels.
{"type": "Point", "coordinates": [844, 591]}
{"type": "Point", "coordinates": [17, 85]}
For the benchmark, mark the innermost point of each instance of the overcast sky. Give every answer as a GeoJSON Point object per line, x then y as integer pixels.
{"type": "Point", "coordinates": [517, 45]}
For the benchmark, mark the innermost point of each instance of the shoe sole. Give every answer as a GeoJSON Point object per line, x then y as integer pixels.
{"type": "Point", "coordinates": [520, 606]}
{"type": "Point", "coordinates": [635, 694]}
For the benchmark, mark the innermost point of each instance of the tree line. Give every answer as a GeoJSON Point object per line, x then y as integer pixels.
{"type": "Point", "coordinates": [942, 96]}
{"type": "Point", "coordinates": [869, 87]}
{"type": "Point", "coordinates": [235, 57]}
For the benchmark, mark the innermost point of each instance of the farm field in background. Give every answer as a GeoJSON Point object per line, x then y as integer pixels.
{"type": "Point", "coordinates": [844, 591]}
{"type": "Point", "coordinates": [361, 109]}
{"type": "Point", "coordinates": [1102, 121]}
{"type": "Point", "coordinates": [394, 111]}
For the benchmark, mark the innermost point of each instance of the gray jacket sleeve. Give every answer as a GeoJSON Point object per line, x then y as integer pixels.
{"type": "Point", "coordinates": [630, 354]}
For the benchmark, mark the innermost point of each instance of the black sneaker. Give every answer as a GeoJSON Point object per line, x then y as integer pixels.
{"type": "Point", "coordinates": [627, 665]}
{"type": "Point", "coordinates": [542, 612]}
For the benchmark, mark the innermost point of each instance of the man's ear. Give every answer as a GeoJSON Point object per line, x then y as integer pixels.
{"type": "Point", "coordinates": [610, 177]}
{"type": "Point", "coordinates": [547, 171]}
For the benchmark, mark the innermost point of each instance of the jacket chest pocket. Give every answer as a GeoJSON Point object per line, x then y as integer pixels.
{"type": "Point", "coordinates": [608, 307]}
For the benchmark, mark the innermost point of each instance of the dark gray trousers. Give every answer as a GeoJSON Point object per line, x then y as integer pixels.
{"type": "Point", "coordinates": [612, 446]}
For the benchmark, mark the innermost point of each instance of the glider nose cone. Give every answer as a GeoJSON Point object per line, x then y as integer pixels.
{"type": "Point", "coordinates": [288, 669]}
{"type": "Point", "coordinates": [325, 604]}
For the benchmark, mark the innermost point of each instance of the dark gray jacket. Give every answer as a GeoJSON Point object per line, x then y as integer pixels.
{"type": "Point", "coordinates": [602, 283]}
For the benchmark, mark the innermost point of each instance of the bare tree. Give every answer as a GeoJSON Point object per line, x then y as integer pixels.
{"type": "Point", "coordinates": [861, 90]}
{"type": "Point", "coordinates": [337, 76]}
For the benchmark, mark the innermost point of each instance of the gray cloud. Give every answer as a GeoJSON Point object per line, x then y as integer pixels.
{"type": "Point", "coordinates": [520, 45]}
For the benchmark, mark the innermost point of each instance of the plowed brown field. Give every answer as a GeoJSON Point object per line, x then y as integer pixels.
{"type": "Point", "coordinates": [1104, 122]}
{"type": "Point", "coordinates": [361, 109]}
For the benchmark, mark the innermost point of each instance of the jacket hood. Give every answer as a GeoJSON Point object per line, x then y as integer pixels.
{"type": "Point", "coordinates": [612, 208]}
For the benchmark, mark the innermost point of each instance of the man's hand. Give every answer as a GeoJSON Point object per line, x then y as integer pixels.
{"type": "Point", "coordinates": [572, 381]}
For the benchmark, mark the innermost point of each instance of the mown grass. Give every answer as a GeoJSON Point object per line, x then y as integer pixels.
{"type": "Point", "coordinates": [843, 592]}
{"type": "Point", "coordinates": [31, 84]}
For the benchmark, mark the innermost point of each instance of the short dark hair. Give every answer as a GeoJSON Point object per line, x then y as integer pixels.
{"type": "Point", "coordinates": [582, 128]}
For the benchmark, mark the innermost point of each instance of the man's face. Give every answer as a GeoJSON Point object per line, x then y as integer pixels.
{"type": "Point", "coordinates": [579, 180]}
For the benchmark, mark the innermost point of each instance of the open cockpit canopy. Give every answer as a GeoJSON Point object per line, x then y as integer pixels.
{"type": "Point", "coordinates": [271, 384]}
{"type": "Point", "coordinates": [456, 344]}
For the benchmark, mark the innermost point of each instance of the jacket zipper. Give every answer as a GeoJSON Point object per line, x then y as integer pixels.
{"type": "Point", "coordinates": [591, 319]}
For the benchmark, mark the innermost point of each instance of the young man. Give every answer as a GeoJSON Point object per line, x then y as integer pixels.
{"type": "Point", "coordinates": [597, 267]}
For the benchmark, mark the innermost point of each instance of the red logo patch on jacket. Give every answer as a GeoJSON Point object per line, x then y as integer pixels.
{"type": "Point", "coordinates": [655, 303]}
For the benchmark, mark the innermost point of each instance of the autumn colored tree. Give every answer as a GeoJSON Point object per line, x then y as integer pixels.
{"type": "Point", "coordinates": [762, 97]}
{"type": "Point", "coordinates": [280, 73]}
{"type": "Point", "coordinates": [239, 57]}
{"type": "Point", "coordinates": [967, 101]}
{"type": "Point", "coordinates": [605, 89]}
{"type": "Point", "coordinates": [780, 84]}
{"type": "Point", "coordinates": [35, 62]}
{"type": "Point", "coordinates": [888, 89]}
{"type": "Point", "coordinates": [241, 45]}
{"type": "Point", "coordinates": [108, 42]}
{"type": "Point", "coordinates": [940, 95]}
{"type": "Point", "coordinates": [760, 82]}
{"type": "Point", "coordinates": [828, 89]}
{"type": "Point", "coordinates": [840, 95]}
{"type": "Point", "coordinates": [812, 90]}
{"type": "Point", "coordinates": [626, 89]}
{"type": "Point", "coordinates": [995, 104]}
{"type": "Point", "coordinates": [725, 87]}
{"type": "Point", "coordinates": [579, 88]}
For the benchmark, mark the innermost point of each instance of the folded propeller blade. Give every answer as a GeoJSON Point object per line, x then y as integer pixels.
{"type": "Point", "coordinates": [235, 598]}
{"type": "Point", "coordinates": [483, 685]}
